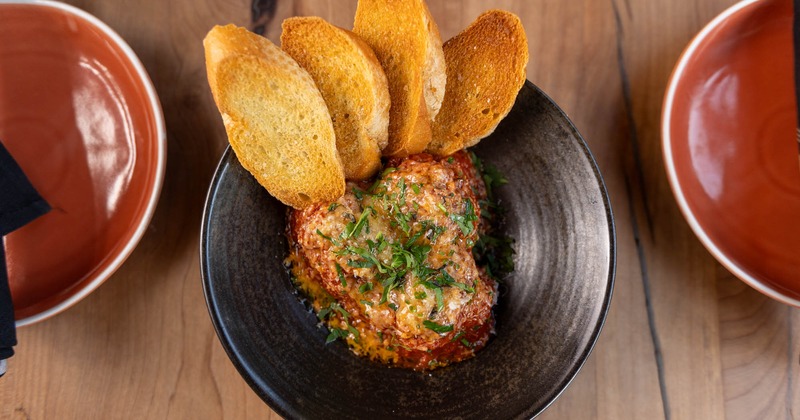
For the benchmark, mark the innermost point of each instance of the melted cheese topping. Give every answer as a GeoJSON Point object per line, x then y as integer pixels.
{"type": "Point", "coordinates": [389, 265]}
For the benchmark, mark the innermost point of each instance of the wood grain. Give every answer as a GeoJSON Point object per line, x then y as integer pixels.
{"type": "Point", "coordinates": [684, 339]}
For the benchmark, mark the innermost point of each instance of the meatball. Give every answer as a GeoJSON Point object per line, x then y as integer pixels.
{"type": "Point", "coordinates": [392, 263]}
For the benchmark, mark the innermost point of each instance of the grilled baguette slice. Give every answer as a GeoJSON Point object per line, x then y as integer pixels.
{"type": "Point", "coordinates": [485, 70]}
{"type": "Point", "coordinates": [276, 120]}
{"type": "Point", "coordinates": [352, 82]}
{"type": "Point", "coordinates": [406, 41]}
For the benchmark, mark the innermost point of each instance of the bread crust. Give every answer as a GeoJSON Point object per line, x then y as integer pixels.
{"type": "Point", "coordinates": [276, 120]}
{"type": "Point", "coordinates": [353, 84]}
{"type": "Point", "coordinates": [406, 41]}
{"type": "Point", "coordinates": [486, 67]}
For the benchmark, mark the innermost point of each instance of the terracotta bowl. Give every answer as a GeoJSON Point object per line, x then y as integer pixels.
{"type": "Point", "coordinates": [729, 130]}
{"type": "Point", "coordinates": [80, 115]}
{"type": "Point", "coordinates": [549, 314]}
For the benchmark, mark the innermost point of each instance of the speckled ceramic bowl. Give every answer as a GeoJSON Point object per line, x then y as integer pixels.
{"type": "Point", "coordinates": [549, 314]}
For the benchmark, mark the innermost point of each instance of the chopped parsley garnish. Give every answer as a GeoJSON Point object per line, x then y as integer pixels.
{"type": "Point", "coordinates": [353, 331]}
{"type": "Point", "coordinates": [387, 171]}
{"type": "Point", "coordinates": [354, 229]}
{"type": "Point", "coordinates": [334, 307]}
{"type": "Point", "coordinates": [402, 197]}
{"type": "Point", "coordinates": [432, 230]}
{"type": "Point", "coordinates": [333, 206]}
{"type": "Point", "coordinates": [465, 221]}
{"type": "Point", "coordinates": [492, 178]}
{"type": "Point", "coordinates": [439, 299]}
{"type": "Point", "coordinates": [494, 253]}
{"type": "Point", "coordinates": [336, 333]}
{"type": "Point", "coordinates": [341, 275]}
{"type": "Point", "coordinates": [327, 238]}
{"type": "Point", "coordinates": [441, 329]}
{"type": "Point", "coordinates": [447, 280]}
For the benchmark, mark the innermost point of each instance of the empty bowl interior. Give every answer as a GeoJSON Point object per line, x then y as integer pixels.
{"type": "Point", "coordinates": [730, 145]}
{"type": "Point", "coordinates": [79, 115]}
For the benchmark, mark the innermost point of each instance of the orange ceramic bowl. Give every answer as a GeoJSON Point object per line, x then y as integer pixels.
{"type": "Point", "coordinates": [729, 145]}
{"type": "Point", "coordinates": [80, 115]}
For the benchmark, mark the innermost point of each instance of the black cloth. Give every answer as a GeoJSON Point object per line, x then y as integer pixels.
{"type": "Point", "coordinates": [19, 204]}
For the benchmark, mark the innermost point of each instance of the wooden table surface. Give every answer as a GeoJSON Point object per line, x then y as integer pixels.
{"type": "Point", "coordinates": [684, 339]}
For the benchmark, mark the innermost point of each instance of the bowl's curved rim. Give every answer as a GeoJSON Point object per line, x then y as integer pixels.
{"type": "Point", "coordinates": [242, 366]}
{"type": "Point", "coordinates": [161, 153]}
{"type": "Point", "coordinates": [284, 410]}
{"type": "Point", "coordinates": [612, 263]}
{"type": "Point", "coordinates": [669, 161]}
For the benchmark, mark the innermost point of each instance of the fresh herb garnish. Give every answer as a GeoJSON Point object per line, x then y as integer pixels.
{"type": "Point", "coordinates": [341, 275]}
{"type": "Point", "coordinates": [441, 329]}
{"type": "Point", "coordinates": [336, 333]}
{"type": "Point", "coordinates": [446, 279]}
{"type": "Point", "coordinates": [354, 229]}
{"type": "Point", "coordinates": [334, 307]}
{"type": "Point", "coordinates": [353, 331]}
{"type": "Point", "coordinates": [495, 253]}
{"type": "Point", "coordinates": [439, 299]}
{"type": "Point", "coordinates": [387, 171]}
{"type": "Point", "coordinates": [465, 221]}
{"type": "Point", "coordinates": [327, 238]}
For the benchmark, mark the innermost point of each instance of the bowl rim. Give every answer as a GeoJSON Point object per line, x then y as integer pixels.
{"type": "Point", "coordinates": [669, 161]}
{"type": "Point", "coordinates": [161, 156]}
{"type": "Point", "coordinates": [263, 390]}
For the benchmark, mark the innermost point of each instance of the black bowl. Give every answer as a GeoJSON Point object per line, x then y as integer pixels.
{"type": "Point", "coordinates": [549, 313]}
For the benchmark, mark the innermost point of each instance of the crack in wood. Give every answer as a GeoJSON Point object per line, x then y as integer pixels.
{"type": "Point", "coordinates": [634, 142]}
{"type": "Point", "coordinates": [262, 13]}
{"type": "Point", "coordinates": [633, 135]}
{"type": "Point", "coordinates": [649, 305]}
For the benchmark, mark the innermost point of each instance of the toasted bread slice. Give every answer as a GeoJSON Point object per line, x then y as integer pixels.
{"type": "Point", "coordinates": [406, 41]}
{"type": "Point", "coordinates": [276, 120]}
{"type": "Point", "coordinates": [352, 82]}
{"type": "Point", "coordinates": [486, 65]}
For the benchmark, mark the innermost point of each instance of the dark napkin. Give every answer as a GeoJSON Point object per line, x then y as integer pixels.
{"type": "Point", "coordinates": [19, 204]}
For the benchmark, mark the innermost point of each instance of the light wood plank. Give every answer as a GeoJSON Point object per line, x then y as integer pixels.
{"type": "Point", "coordinates": [680, 273]}
{"type": "Point", "coordinates": [142, 346]}
{"type": "Point", "coordinates": [759, 358]}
